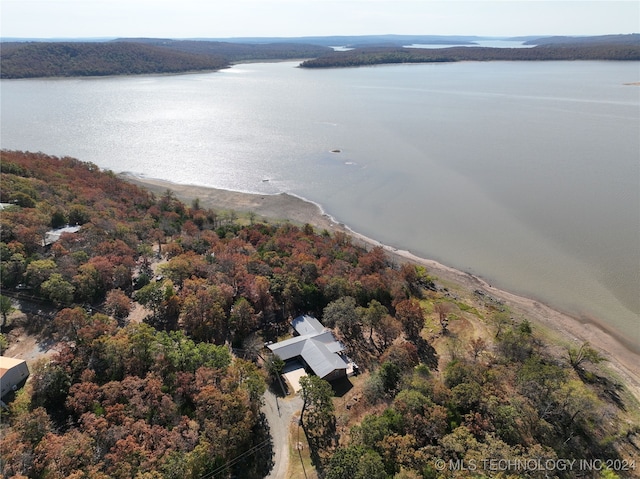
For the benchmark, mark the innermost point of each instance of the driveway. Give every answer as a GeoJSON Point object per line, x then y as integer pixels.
{"type": "Point", "coordinates": [279, 413]}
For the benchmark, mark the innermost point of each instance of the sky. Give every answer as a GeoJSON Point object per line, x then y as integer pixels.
{"type": "Point", "coordinates": [292, 18]}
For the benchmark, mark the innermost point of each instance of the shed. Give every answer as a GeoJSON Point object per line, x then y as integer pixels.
{"type": "Point", "coordinates": [13, 372]}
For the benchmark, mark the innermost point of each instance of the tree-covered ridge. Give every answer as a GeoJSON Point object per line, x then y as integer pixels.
{"type": "Point", "coordinates": [154, 56]}
{"type": "Point", "coordinates": [629, 39]}
{"type": "Point", "coordinates": [65, 59]}
{"type": "Point", "coordinates": [446, 375]}
{"type": "Point", "coordinates": [239, 51]}
{"type": "Point", "coordinates": [386, 55]}
{"type": "Point", "coordinates": [135, 57]}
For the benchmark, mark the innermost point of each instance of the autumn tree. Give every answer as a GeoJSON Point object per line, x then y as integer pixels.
{"type": "Point", "coordinates": [443, 309]}
{"type": "Point", "coordinates": [203, 315]}
{"type": "Point", "coordinates": [410, 314]}
{"type": "Point", "coordinates": [69, 321]}
{"type": "Point", "coordinates": [387, 330]}
{"type": "Point", "coordinates": [476, 347]}
{"type": "Point", "coordinates": [243, 318]}
{"type": "Point", "coordinates": [118, 304]}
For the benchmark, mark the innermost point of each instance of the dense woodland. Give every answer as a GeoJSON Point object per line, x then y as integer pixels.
{"type": "Point", "coordinates": [629, 39]}
{"type": "Point", "coordinates": [170, 396]}
{"type": "Point", "coordinates": [136, 56]}
{"type": "Point", "coordinates": [383, 55]}
{"type": "Point", "coordinates": [133, 56]}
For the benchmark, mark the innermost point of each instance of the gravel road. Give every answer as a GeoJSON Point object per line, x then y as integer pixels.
{"type": "Point", "coordinates": [279, 413]}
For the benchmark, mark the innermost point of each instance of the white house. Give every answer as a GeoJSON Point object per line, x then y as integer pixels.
{"type": "Point", "coordinates": [316, 347]}
{"type": "Point", "coordinates": [12, 372]}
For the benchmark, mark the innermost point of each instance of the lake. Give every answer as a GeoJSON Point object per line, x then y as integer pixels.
{"type": "Point", "coordinates": [524, 173]}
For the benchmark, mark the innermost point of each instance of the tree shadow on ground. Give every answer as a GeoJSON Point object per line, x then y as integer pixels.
{"type": "Point", "coordinates": [260, 463]}
{"type": "Point", "coordinates": [278, 387]}
{"type": "Point", "coordinates": [427, 353]}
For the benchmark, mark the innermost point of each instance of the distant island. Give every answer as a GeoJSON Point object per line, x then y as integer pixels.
{"type": "Point", "coordinates": [144, 56]}
{"type": "Point", "coordinates": [609, 47]}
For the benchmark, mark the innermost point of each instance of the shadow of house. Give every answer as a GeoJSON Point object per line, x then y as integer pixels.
{"type": "Point", "coordinates": [316, 348]}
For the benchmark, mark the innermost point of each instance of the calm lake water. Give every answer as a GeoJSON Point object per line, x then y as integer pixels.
{"type": "Point", "coordinates": [524, 173]}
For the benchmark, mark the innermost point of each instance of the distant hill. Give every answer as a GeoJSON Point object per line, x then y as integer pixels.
{"type": "Point", "coordinates": [136, 56]}
{"type": "Point", "coordinates": [131, 56]}
{"type": "Point", "coordinates": [66, 59]}
{"type": "Point", "coordinates": [362, 40]}
{"type": "Point", "coordinates": [234, 51]}
{"type": "Point", "coordinates": [385, 55]}
{"type": "Point", "coordinates": [631, 39]}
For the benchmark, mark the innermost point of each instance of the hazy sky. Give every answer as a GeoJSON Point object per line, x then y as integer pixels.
{"type": "Point", "coordinates": [233, 18]}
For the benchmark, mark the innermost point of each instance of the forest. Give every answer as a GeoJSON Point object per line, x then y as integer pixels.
{"type": "Point", "coordinates": [136, 56]}
{"type": "Point", "coordinates": [447, 377]}
{"type": "Point", "coordinates": [386, 55]}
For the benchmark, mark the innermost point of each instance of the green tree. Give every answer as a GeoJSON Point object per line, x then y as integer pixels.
{"type": "Point", "coordinates": [317, 402]}
{"type": "Point", "coordinates": [317, 417]}
{"type": "Point", "coordinates": [343, 313]}
{"type": "Point", "coordinates": [6, 308]}
{"type": "Point", "coordinates": [39, 271]}
{"type": "Point", "coordinates": [336, 310]}
{"type": "Point", "coordinates": [390, 374]}
{"type": "Point", "coordinates": [372, 315]}
{"type": "Point", "coordinates": [12, 270]}
{"type": "Point", "coordinates": [344, 463]}
{"type": "Point", "coordinates": [58, 290]}
{"type": "Point", "coordinates": [58, 218]}
{"type": "Point", "coordinates": [585, 353]}
{"type": "Point", "coordinates": [243, 318]}
{"type": "Point", "coordinates": [370, 466]}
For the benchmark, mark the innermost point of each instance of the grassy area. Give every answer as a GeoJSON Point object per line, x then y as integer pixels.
{"type": "Point", "coordinates": [300, 465]}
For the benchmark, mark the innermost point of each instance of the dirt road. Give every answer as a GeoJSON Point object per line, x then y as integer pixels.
{"type": "Point", "coordinates": [279, 413]}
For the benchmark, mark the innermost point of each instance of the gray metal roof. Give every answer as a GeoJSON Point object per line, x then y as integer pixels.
{"type": "Point", "coordinates": [289, 348]}
{"type": "Point", "coordinates": [318, 347]}
{"type": "Point", "coordinates": [307, 325]}
{"type": "Point", "coordinates": [52, 236]}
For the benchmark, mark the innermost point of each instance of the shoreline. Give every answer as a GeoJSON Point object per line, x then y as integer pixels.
{"type": "Point", "coordinates": [621, 358]}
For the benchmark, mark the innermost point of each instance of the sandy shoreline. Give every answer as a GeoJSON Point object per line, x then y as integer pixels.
{"type": "Point", "coordinates": [622, 361]}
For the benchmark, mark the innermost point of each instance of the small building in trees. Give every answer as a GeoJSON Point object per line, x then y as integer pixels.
{"type": "Point", "coordinates": [316, 347]}
{"type": "Point", "coordinates": [13, 373]}
{"type": "Point", "coordinates": [52, 236]}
